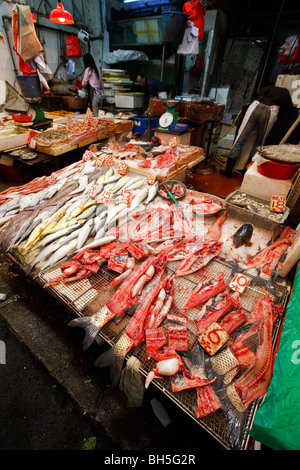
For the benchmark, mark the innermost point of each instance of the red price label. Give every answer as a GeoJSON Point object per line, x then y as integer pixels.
{"type": "Point", "coordinates": [277, 203]}
{"type": "Point", "coordinates": [213, 338]}
{"type": "Point", "coordinates": [100, 161]}
{"type": "Point", "coordinates": [105, 197]}
{"type": "Point", "coordinates": [126, 196]}
{"type": "Point", "coordinates": [122, 168]}
{"type": "Point", "coordinates": [109, 160]}
{"type": "Point", "coordinates": [101, 113]}
{"type": "Point", "coordinates": [173, 142]}
{"type": "Point", "coordinates": [92, 190]}
{"type": "Point", "coordinates": [239, 283]}
{"type": "Point", "coordinates": [87, 155]}
{"type": "Point", "coordinates": [120, 115]}
{"type": "Point", "coordinates": [151, 179]}
{"type": "Point", "coordinates": [51, 178]}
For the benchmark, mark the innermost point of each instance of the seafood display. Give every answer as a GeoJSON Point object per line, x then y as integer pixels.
{"type": "Point", "coordinates": [256, 206]}
{"type": "Point", "coordinates": [154, 273]}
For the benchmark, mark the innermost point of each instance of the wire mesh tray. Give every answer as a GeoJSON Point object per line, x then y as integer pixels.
{"type": "Point", "coordinates": [88, 296]}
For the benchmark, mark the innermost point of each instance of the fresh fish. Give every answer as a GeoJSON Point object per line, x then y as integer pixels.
{"type": "Point", "coordinates": [59, 254]}
{"type": "Point", "coordinates": [243, 235]}
{"type": "Point", "coordinates": [140, 197]}
{"type": "Point", "coordinates": [199, 258]}
{"type": "Point", "coordinates": [99, 222]}
{"type": "Point", "coordinates": [84, 233]}
{"type": "Point", "coordinates": [99, 242]}
{"type": "Point", "coordinates": [205, 291]}
{"type": "Point", "coordinates": [43, 254]}
{"type": "Point", "coordinates": [83, 181]}
{"type": "Point", "coordinates": [215, 230]}
{"type": "Point", "coordinates": [120, 183]}
{"type": "Point", "coordinates": [133, 335]}
{"type": "Point", "coordinates": [112, 179]}
{"type": "Point", "coordinates": [112, 214]}
{"type": "Point", "coordinates": [152, 192]}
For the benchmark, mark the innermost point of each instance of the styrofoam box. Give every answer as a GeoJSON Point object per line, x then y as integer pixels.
{"type": "Point", "coordinates": [129, 100]}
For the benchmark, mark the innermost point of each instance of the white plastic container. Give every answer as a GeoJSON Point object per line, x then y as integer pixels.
{"type": "Point", "coordinates": [129, 100]}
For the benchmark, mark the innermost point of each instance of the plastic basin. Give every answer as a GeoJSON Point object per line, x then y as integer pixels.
{"type": "Point", "coordinates": [278, 171]}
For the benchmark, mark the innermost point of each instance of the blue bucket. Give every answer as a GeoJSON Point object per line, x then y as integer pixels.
{"type": "Point", "coordinates": [140, 124]}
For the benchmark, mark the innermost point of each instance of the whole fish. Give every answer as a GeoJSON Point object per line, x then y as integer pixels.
{"type": "Point", "coordinates": [112, 214]}
{"type": "Point", "coordinates": [120, 183]}
{"type": "Point", "coordinates": [243, 235]}
{"type": "Point", "coordinates": [152, 192]}
{"type": "Point", "coordinates": [84, 233]}
{"type": "Point", "coordinates": [140, 197]}
{"type": "Point", "coordinates": [59, 254]}
{"type": "Point", "coordinates": [83, 181]}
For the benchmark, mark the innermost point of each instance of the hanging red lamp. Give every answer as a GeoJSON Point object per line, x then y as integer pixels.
{"type": "Point", "coordinates": [60, 15]}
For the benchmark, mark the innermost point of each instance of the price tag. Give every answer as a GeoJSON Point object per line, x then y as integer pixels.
{"type": "Point", "coordinates": [109, 160]}
{"type": "Point", "coordinates": [151, 179]}
{"type": "Point", "coordinates": [87, 155]}
{"type": "Point", "coordinates": [51, 178]}
{"type": "Point", "coordinates": [92, 190]}
{"type": "Point", "coordinates": [173, 142]}
{"type": "Point", "coordinates": [213, 338]}
{"type": "Point", "coordinates": [239, 283]}
{"type": "Point", "coordinates": [126, 196]}
{"type": "Point", "coordinates": [277, 203]}
{"type": "Point", "coordinates": [89, 114]}
{"type": "Point", "coordinates": [106, 197]}
{"type": "Point", "coordinates": [122, 168]}
{"type": "Point", "coordinates": [101, 112]}
{"type": "Point", "coordinates": [120, 115]}
{"type": "Point", "coordinates": [100, 161]}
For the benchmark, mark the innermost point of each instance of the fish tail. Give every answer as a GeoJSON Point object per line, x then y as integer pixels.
{"type": "Point", "coordinates": [90, 328]}
{"type": "Point", "coordinates": [236, 268]}
{"type": "Point", "coordinates": [261, 282]}
{"type": "Point", "coordinates": [114, 358]}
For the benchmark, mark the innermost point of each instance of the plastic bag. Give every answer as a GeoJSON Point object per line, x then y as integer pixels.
{"type": "Point", "coordinates": [277, 421]}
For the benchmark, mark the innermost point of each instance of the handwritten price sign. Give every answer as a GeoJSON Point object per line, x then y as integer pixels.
{"type": "Point", "coordinates": [122, 168]}
{"type": "Point", "coordinates": [100, 161]}
{"type": "Point", "coordinates": [173, 142]}
{"type": "Point", "coordinates": [126, 196]}
{"type": "Point", "coordinates": [239, 283]}
{"type": "Point", "coordinates": [151, 179]}
{"type": "Point", "coordinates": [92, 190]}
{"type": "Point", "coordinates": [105, 197]}
{"type": "Point", "coordinates": [277, 203]}
{"type": "Point", "coordinates": [51, 178]}
{"type": "Point", "coordinates": [87, 155]}
{"type": "Point", "coordinates": [213, 338]}
{"type": "Point", "coordinates": [109, 160]}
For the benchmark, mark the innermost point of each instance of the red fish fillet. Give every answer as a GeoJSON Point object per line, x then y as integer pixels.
{"type": "Point", "coordinates": [155, 340]}
{"type": "Point", "coordinates": [215, 230]}
{"type": "Point", "coordinates": [205, 291]}
{"type": "Point", "coordinates": [214, 310]}
{"type": "Point", "coordinates": [199, 259]}
{"type": "Point", "coordinates": [235, 318]}
{"type": "Point", "coordinates": [243, 385]}
{"type": "Point", "coordinates": [178, 337]}
{"type": "Point", "coordinates": [207, 401]}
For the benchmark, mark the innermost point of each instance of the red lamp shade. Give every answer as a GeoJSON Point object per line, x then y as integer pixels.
{"type": "Point", "coordinates": [60, 15]}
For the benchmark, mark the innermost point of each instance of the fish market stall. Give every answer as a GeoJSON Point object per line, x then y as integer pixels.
{"type": "Point", "coordinates": [78, 132]}
{"type": "Point", "coordinates": [173, 277]}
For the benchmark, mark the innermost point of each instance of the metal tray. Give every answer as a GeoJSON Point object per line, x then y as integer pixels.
{"type": "Point", "coordinates": [87, 296]}
{"type": "Point", "coordinates": [242, 212]}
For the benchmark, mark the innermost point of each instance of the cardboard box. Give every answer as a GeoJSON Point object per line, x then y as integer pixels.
{"type": "Point", "coordinates": [129, 100]}
{"type": "Point", "coordinates": [292, 83]}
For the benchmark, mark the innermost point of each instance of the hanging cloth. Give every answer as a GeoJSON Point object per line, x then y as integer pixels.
{"type": "Point", "coordinates": [190, 43]}
{"type": "Point", "coordinates": [26, 40]}
{"type": "Point", "coordinates": [196, 11]}
{"type": "Point", "coordinates": [23, 66]}
{"type": "Point", "coordinates": [290, 50]}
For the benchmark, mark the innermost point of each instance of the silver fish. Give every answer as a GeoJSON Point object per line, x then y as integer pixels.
{"type": "Point", "coordinates": [84, 233]}
{"type": "Point", "coordinates": [152, 192]}
{"type": "Point", "coordinates": [114, 212]}
{"type": "Point", "coordinates": [83, 181]}
{"type": "Point", "coordinates": [140, 197]}
{"type": "Point", "coordinates": [59, 254]}
{"type": "Point", "coordinates": [99, 242]}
